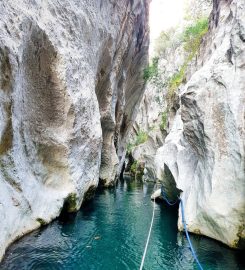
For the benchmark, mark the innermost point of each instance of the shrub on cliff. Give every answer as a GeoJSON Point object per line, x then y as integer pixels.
{"type": "Point", "coordinates": [140, 138]}
{"type": "Point", "coordinates": [164, 120]}
{"type": "Point", "coordinates": [152, 70]}
{"type": "Point", "coordinates": [191, 38]}
{"type": "Point", "coordinates": [193, 34]}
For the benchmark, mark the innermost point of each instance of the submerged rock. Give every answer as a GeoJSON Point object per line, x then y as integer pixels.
{"type": "Point", "coordinates": [70, 81]}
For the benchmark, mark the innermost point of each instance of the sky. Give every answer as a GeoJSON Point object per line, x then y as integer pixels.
{"type": "Point", "coordinates": [163, 15]}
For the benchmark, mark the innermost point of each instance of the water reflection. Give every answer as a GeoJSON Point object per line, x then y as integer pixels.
{"type": "Point", "coordinates": [110, 233]}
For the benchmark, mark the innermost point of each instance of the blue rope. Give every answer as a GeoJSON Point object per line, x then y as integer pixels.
{"type": "Point", "coordinates": [187, 235]}
{"type": "Point", "coordinates": [165, 198]}
{"type": "Point", "coordinates": [184, 224]}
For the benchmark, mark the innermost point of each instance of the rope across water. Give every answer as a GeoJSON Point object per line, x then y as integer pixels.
{"type": "Point", "coordinates": [149, 235]}
{"type": "Point", "coordinates": [184, 224]}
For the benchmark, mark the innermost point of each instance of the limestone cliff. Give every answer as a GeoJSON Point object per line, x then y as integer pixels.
{"type": "Point", "coordinates": [204, 150]}
{"type": "Point", "coordinates": [148, 123]}
{"type": "Point", "coordinates": [70, 80]}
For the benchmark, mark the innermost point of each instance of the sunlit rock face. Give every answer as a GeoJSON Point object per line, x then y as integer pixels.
{"type": "Point", "coordinates": [153, 117]}
{"type": "Point", "coordinates": [205, 148]}
{"type": "Point", "coordinates": [148, 120]}
{"type": "Point", "coordinates": [70, 80]}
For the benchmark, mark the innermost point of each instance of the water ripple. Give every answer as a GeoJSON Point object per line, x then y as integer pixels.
{"type": "Point", "coordinates": [110, 234]}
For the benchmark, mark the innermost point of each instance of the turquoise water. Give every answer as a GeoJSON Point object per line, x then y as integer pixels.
{"type": "Point", "coordinates": [110, 233]}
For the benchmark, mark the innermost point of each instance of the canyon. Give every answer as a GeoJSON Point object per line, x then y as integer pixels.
{"type": "Point", "coordinates": [74, 93]}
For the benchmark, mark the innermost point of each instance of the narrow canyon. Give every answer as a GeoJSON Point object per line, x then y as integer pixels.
{"type": "Point", "coordinates": [82, 104]}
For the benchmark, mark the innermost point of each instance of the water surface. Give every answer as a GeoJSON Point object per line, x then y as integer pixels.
{"type": "Point", "coordinates": [110, 232]}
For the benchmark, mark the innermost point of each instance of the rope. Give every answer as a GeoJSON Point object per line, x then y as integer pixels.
{"type": "Point", "coordinates": [165, 198]}
{"type": "Point", "coordinates": [184, 224]}
{"type": "Point", "coordinates": [148, 237]}
{"type": "Point", "coordinates": [187, 235]}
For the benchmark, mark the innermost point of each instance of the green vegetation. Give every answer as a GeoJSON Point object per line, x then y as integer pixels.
{"type": "Point", "coordinates": [133, 167]}
{"type": "Point", "coordinates": [140, 138]}
{"type": "Point", "coordinates": [190, 39]}
{"type": "Point", "coordinates": [137, 169]}
{"type": "Point", "coordinates": [152, 70]}
{"type": "Point", "coordinates": [192, 36]}
{"type": "Point", "coordinates": [175, 81]}
{"type": "Point", "coordinates": [41, 221]}
{"type": "Point", "coordinates": [164, 121]}
{"type": "Point", "coordinates": [71, 203]}
{"type": "Point", "coordinates": [130, 147]}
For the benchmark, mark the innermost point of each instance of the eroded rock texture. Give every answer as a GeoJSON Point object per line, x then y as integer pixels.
{"type": "Point", "coordinates": [205, 148]}
{"type": "Point", "coordinates": [148, 120]}
{"type": "Point", "coordinates": [70, 80]}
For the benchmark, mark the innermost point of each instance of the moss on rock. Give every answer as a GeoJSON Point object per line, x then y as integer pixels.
{"type": "Point", "coordinates": [70, 204]}
{"type": "Point", "coordinates": [41, 221]}
{"type": "Point", "coordinates": [240, 241]}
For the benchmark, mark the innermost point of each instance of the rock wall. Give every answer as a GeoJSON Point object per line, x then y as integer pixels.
{"type": "Point", "coordinates": [70, 80]}
{"type": "Point", "coordinates": [204, 150]}
{"type": "Point", "coordinates": [148, 120]}
{"type": "Point", "coordinates": [153, 116]}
